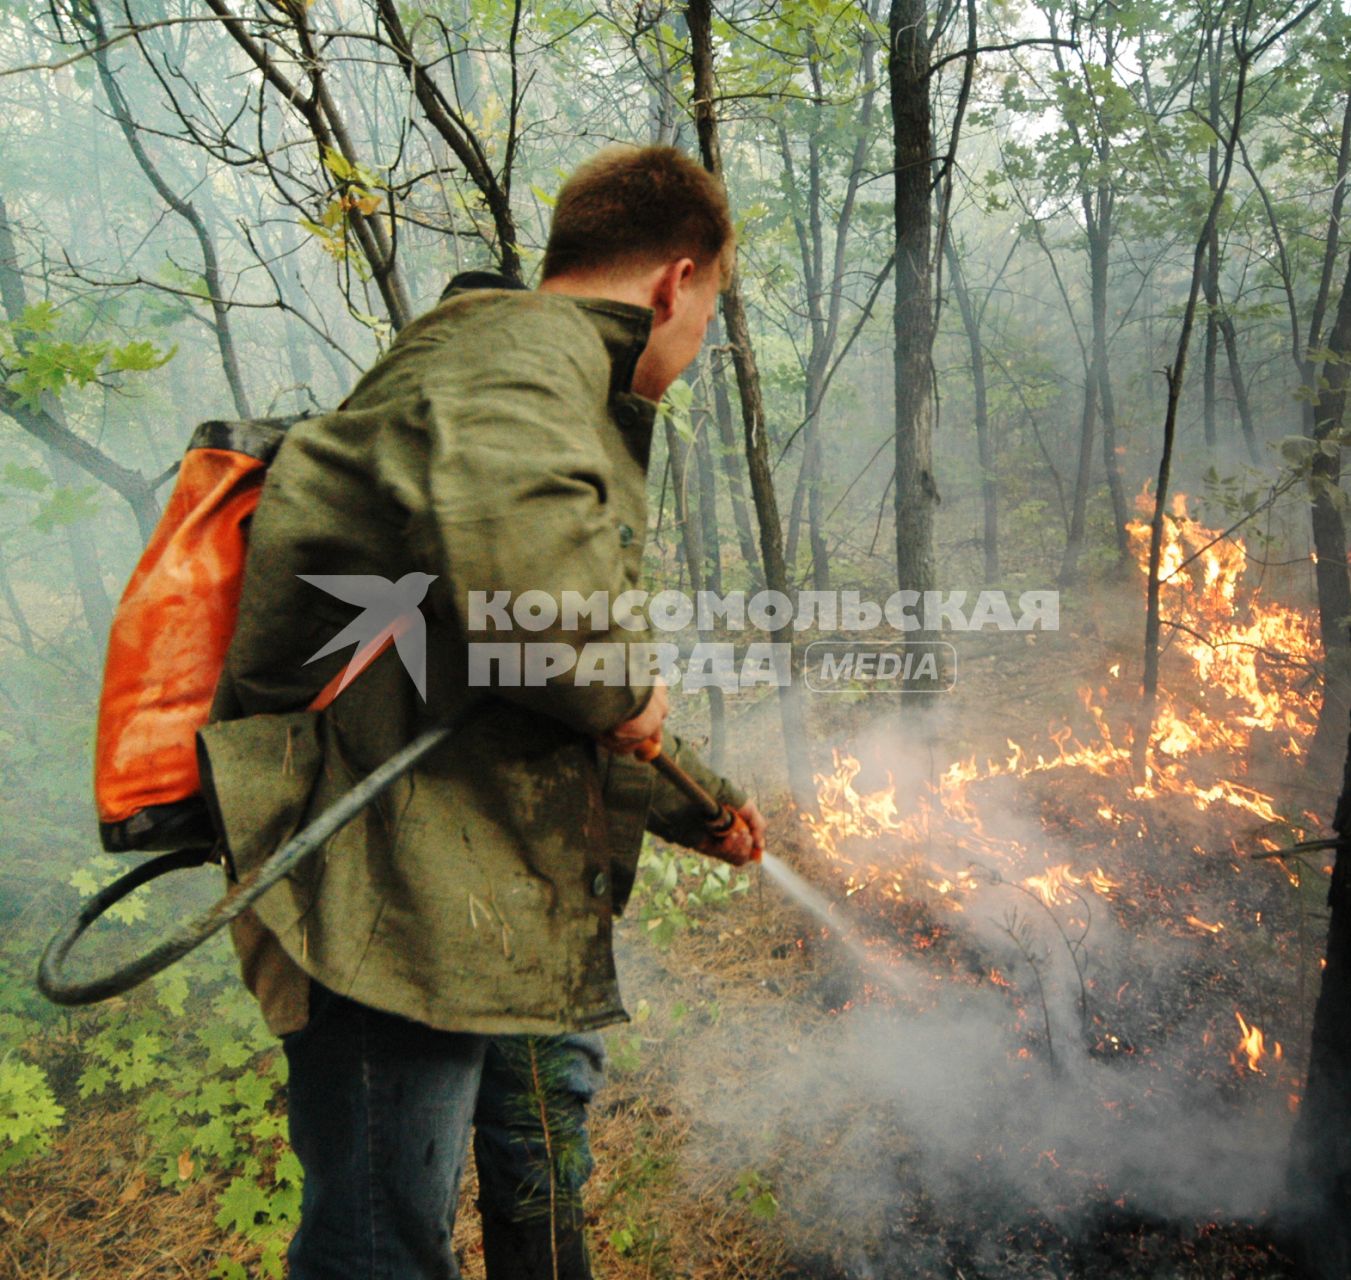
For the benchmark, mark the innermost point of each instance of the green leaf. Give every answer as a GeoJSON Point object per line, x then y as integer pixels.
{"type": "Point", "coordinates": [270, 1263]}
{"type": "Point", "coordinates": [764, 1206]}
{"type": "Point", "coordinates": [253, 1091]}
{"type": "Point", "coordinates": [339, 165]}
{"type": "Point", "coordinates": [144, 1062]}
{"type": "Point", "coordinates": [1296, 450]}
{"type": "Point", "coordinates": [315, 229]}
{"type": "Point", "coordinates": [140, 357]}
{"type": "Point", "coordinates": [224, 1048]}
{"type": "Point", "coordinates": [66, 506]}
{"type": "Point", "coordinates": [241, 1206]}
{"type": "Point", "coordinates": [38, 318]}
{"type": "Point", "coordinates": [29, 1112]}
{"type": "Point", "coordinates": [84, 882]}
{"type": "Point", "coordinates": [94, 1080]}
{"type": "Point", "coordinates": [171, 990]}
{"type": "Point", "coordinates": [29, 478]}
{"type": "Point", "coordinates": [288, 1171]}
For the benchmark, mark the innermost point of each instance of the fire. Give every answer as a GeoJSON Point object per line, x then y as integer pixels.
{"type": "Point", "coordinates": [1054, 886]}
{"type": "Point", "coordinates": [1252, 1046]}
{"type": "Point", "coordinates": [1201, 924]}
{"type": "Point", "coordinates": [1249, 650]}
{"type": "Point", "coordinates": [1244, 662]}
{"type": "Point", "coordinates": [1249, 657]}
{"type": "Point", "coordinates": [1101, 883]}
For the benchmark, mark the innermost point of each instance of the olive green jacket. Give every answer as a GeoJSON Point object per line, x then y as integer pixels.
{"type": "Point", "coordinates": [498, 447]}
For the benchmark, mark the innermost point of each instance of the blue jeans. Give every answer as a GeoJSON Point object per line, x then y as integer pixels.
{"type": "Point", "coordinates": [380, 1113]}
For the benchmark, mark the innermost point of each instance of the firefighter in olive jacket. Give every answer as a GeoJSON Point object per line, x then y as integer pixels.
{"type": "Point", "coordinates": [500, 446]}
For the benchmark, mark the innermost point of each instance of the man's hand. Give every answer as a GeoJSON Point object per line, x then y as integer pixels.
{"type": "Point", "coordinates": [744, 843]}
{"type": "Point", "coordinates": [625, 738]}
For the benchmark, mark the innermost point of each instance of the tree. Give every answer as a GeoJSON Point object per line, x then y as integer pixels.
{"type": "Point", "coordinates": [699, 16]}
{"type": "Point", "coordinates": [916, 493]}
{"type": "Point", "coordinates": [824, 265]}
{"type": "Point", "coordinates": [1247, 48]}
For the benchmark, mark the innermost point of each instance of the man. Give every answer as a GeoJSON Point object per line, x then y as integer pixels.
{"type": "Point", "coordinates": [499, 447]}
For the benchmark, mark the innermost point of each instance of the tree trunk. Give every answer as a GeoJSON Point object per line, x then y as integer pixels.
{"type": "Point", "coordinates": [1112, 465]}
{"type": "Point", "coordinates": [329, 132]}
{"type": "Point", "coordinates": [16, 610]}
{"type": "Point", "coordinates": [95, 606]}
{"type": "Point", "coordinates": [699, 16]}
{"type": "Point", "coordinates": [469, 149]}
{"type": "Point", "coordinates": [688, 527]}
{"type": "Point", "coordinates": [1329, 532]}
{"type": "Point", "coordinates": [1106, 400]}
{"type": "Point", "coordinates": [984, 442]}
{"type": "Point", "coordinates": [730, 451]}
{"type": "Point", "coordinates": [916, 491]}
{"type": "Point", "coordinates": [96, 42]}
{"type": "Point", "coordinates": [807, 491]}
{"type": "Point", "coordinates": [1322, 412]}
{"type": "Point", "coordinates": [1236, 380]}
{"type": "Point", "coordinates": [710, 578]}
{"type": "Point", "coordinates": [816, 531]}
{"type": "Point", "coordinates": [1074, 543]}
{"type": "Point", "coordinates": [708, 504]}
{"type": "Point", "coordinates": [1211, 282]}
{"type": "Point", "coordinates": [1319, 1171]}
{"type": "Point", "coordinates": [1149, 685]}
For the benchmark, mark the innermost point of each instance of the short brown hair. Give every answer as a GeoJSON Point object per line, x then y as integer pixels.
{"type": "Point", "coordinates": [632, 204]}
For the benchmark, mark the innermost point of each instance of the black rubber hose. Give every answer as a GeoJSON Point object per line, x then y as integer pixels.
{"type": "Point", "coordinates": [53, 983]}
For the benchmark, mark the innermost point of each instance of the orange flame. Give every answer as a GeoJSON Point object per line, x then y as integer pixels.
{"type": "Point", "coordinates": [1201, 924]}
{"type": "Point", "coordinates": [1252, 1046]}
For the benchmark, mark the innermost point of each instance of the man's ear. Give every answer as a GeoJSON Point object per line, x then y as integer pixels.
{"type": "Point", "coordinates": [670, 285]}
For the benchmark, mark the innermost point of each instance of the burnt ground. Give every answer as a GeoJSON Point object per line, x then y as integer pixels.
{"type": "Point", "coordinates": [710, 1165]}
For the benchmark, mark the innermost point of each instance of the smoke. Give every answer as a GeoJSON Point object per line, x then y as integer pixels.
{"type": "Point", "coordinates": [1086, 1082]}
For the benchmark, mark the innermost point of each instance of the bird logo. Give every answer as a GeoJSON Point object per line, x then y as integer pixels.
{"type": "Point", "coordinates": [390, 615]}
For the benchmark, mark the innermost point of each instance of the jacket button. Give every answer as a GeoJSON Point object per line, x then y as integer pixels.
{"type": "Point", "coordinates": [600, 886]}
{"type": "Point", "coordinates": [625, 535]}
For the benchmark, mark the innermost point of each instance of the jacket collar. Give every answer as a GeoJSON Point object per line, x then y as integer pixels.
{"type": "Point", "coordinates": [623, 327]}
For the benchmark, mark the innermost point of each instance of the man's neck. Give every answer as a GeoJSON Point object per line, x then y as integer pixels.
{"type": "Point", "coordinates": [632, 289]}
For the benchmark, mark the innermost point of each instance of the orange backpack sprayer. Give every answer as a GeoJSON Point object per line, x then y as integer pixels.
{"type": "Point", "coordinates": [166, 651]}
{"type": "Point", "coordinates": [168, 640]}
{"type": "Point", "coordinates": [167, 645]}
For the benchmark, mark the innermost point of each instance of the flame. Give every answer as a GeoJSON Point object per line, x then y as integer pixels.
{"type": "Point", "coordinates": [1201, 924]}
{"type": "Point", "coordinates": [1054, 887]}
{"type": "Point", "coordinates": [1252, 1046]}
{"type": "Point", "coordinates": [1248, 656]}
{"type": "Point", "coordinates": [1247, 649]}
{"type": "Point", "coordinates": [1101, 883]}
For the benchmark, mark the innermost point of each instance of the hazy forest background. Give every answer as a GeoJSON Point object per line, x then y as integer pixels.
{"type": "Point", "coordinates": [1000, 261]}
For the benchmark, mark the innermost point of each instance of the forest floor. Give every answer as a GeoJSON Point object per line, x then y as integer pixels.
{"type": "Point", "coordinates": [789, 1105]}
